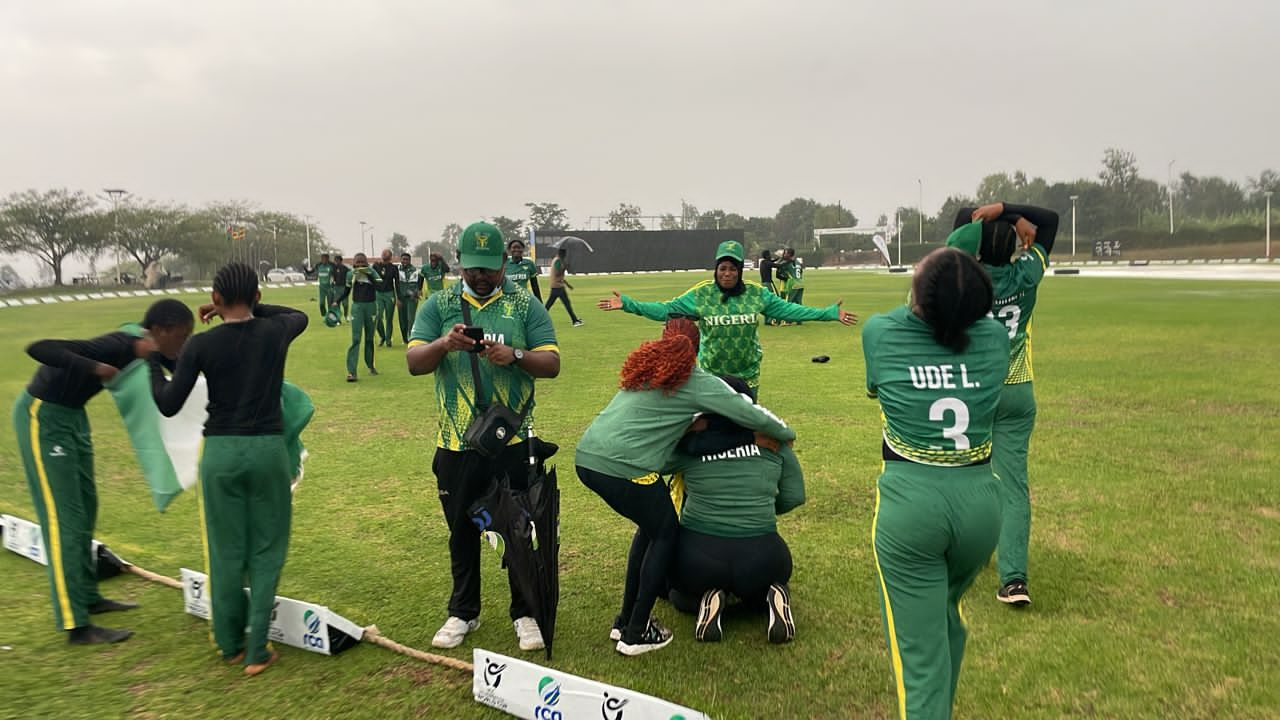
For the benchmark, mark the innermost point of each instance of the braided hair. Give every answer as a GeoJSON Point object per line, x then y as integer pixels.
{"type": "Point", "coordinates": [999, 242]}
{"type": "Point", "coordinates": [951, 292]}
{"type": "Point", "coordinates": [237, 283]}
{"type": "Point", "coordinates": [168, 313]}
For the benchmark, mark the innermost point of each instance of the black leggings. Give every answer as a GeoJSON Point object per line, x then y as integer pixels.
{"type": "Point", "coordinates": [649, 507]}
{"type": "Point", "coordinates": [744, 567]}
{"type": "Point", "coordinates": [560, 294]}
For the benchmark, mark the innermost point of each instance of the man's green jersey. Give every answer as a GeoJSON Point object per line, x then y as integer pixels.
{"type": "Point", "coordinates": [793, 270]}
{"type": "Point", "coordinates": [410, 282]}
{"type": "Point", "coordinates": [512, 317]}
{"type": "Point", "coordinates": [730, 328]}
{"type": "Point", "coordinates": [434, 275]}
{"type": "Point", "coordinates": [520, 272]}
{"type": "Point", "coordinates": [739, 492]}
{"type": "Point", "coordinates": [1015, 290]}
{"type": "Point", "coordinates": [322, 274]}
{"type": "Point", "coordinates": [938, 406]}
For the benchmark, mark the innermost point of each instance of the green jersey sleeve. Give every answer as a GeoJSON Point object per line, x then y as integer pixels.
{"type": "Point", "coordinates": [791, 485]}
{"type": "Point", "coordinates": [779, 309]}
{"type": "Point", "coordinates": [540, 334]}
{"type": "Point", "coordinates": [870, 338]}
{"type": "Point", "coordinates": [685, 304]}
{"type": "Point", "coordinates": [717, 397]}
{"type": "Point", "coordinates": [426, 326]}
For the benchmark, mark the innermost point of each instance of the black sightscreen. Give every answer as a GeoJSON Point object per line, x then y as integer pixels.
{"type": "Point", "coordinates": [623, 250]}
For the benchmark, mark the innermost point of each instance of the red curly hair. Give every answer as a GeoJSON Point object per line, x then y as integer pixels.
{"type": "Point", "coordinates": [664, 364]}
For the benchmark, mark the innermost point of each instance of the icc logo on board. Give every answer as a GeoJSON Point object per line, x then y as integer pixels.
{"type": "Point", "coordinates": [493, 673]}
{"type": "Point", "coordinates": [611, 708]}
{"type": "Point", "coordinates": [312, 637]}
{"type": "Point", "coordinates": [549, 693]}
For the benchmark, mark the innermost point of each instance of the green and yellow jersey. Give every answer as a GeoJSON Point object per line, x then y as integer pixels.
{"type": "Point", "coordinates": [1015, 289]}
{"type": "Point", "coordinates": [938, 406]}
{"type": "Point", "coordinates": [323, 271]}
{"type": "Point", "coordinates": [793, 270]}
{"type": "Point", "coordinates": [739, 492]}
{"type": "Point", "coordinates": [512, 317]}
{"type": "Point", "coordinates": [730, 328]}
{"type": "Point", "coordinates": [520, 272]}
{"type": "Point", "coordinates": [434, 276]}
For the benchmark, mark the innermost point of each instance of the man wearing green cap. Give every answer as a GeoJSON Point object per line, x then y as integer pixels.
{"type": "Point", "coordinates": [994, 234]}
{"type": "Point", "coordinates": [519, 345]}
{"type": "Point", "coordinates": [728, 311]}
{"type": "Point", "coordinates": [362, 289]}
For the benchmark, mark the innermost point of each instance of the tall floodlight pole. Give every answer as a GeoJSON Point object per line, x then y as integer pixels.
{"type": "Point", "coordinates": [897, 221]}
{"type": "Point", "coordinates": [307, 219]}
{"type": "Point", "coordinates": [275, 246]}
{"type": "Point", "coordinates": [1268, 221]}
{"type": "Point", "coordinates": [920, 209]}
{"type": "Point", "coordinates": [1170, 197]}
{"type": "Point", "coordinates": [115, 194]}
{"type": "Point", "coordinates": [362, 224]}
{"type": "Point", "coordinates": [1073, 225]}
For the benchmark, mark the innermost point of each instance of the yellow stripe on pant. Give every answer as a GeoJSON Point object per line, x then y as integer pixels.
{"type": "Point", "coordinates": [894, 652]}
{"type": "Point", "coordinates": [51, 512]}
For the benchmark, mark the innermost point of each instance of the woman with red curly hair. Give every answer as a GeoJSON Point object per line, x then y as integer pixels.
{"type": "Point", "coordinates": [618, 457]}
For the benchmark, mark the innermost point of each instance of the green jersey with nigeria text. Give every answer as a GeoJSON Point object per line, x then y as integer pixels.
{"type": "Point", "coordinates": [1015, 290]}
{"type": "Point", "coordinates": [434, 275]}
{"type": "Point", "coordinates": [512, 317]}
{"type": "Point", "coordinates": [938, 405]}
{"type": "Point", "coordinates": [730, 327]}
{"type": "Point", "coordinates": [520, 272]}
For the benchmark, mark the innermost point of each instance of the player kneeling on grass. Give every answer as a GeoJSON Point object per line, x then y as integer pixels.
{"type": "Point", "coordinates": [244, 466]}
{"type": "Point", "coordinates": [518, 345]}
{"type": "Point", "coordinates": [623, 449]}
{"type": "Point", "coordinates": [729, 542]}
{"type": "Point", "coordinates": [57, 454]}
{"type": "Point", "coordinates": [937, 367]}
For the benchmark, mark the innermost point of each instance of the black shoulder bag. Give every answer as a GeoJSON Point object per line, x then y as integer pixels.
{"type": "Point", "coordinates": [495, 424]}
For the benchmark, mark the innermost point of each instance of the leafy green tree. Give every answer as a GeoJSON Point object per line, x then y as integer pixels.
{"type": "Point", "coordinates": [1209, 197]}
{"type": "Point", "coordinates": [449, 237]}
{"type": "Point", "coordinates": [148, 232]}
{"type": "Point", "coordinates": [625, 217]}
{"type": "Point", "coordinates": [399, 243]}
{"type": "Point", "coordinates": [51, 226]}
{"type": "Point", "coordinates": [547, 216]}
{"type": "Point", "coordinates": [511, 227]}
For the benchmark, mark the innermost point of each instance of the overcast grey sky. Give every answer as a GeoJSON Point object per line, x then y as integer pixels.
{"type": "Point", "coordinates": [411, 115]}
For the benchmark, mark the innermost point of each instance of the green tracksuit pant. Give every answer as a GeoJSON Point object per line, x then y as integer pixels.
{"type": "Point", "coordinates": [246, 509]}
{"type": "Point", "coordinates": [1010, 439]}
{"type": "Point", "coordinates": [408, 311]}
{"type": "Point", "coordinates": [386, 316]}
{"type": "Point", "coordinates": [361, 326]}
{"type": "Point", "coordinates": [934, 530]}
{"type": "Point", "coordinates": [325, 292]}
{"type": "Point", "coordinates": [57, 454]}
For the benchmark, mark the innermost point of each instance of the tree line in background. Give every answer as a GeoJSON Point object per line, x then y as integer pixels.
{"type": "Point", "coordinates": [1119, 205]}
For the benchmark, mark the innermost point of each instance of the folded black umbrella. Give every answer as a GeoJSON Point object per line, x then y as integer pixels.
{"type": "Point", "coordinates": [526, 513]}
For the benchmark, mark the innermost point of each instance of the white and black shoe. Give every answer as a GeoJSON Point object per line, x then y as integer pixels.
{"type": "Point", "coordinates": [450, 634]}
{"type": "Point", "coordinates": [1014, 593]}
{"type": "Point", "coordinates": [654, 637]}
{"type": "Point", "coordinates": [782, 628]}
{"type": "Point", "coordinates": [707, 628]}
{"type": "Point", "coordinates": [615, 634]}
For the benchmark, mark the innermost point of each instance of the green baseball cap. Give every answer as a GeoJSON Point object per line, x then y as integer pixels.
{"type": "Point", "coordinates": [480, 246]}
{"type": "Point", "coordinates": [730, 249]}
{"type": "Point", "coordinates": [967, 238]}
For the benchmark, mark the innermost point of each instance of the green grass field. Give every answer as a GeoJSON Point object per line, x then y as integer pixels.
{"type": "Point", "coordinates": [1155, 555]}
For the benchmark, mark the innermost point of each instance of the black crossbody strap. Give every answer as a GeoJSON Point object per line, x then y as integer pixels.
{"type": "Point", "coordinates": [475, 370]}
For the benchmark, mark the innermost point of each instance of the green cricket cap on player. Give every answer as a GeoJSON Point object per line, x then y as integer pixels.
{"type": "Point", "coordinates": [730, 249]}
{"type": "Point", "coordinates": [967, 238]}
{"type": "Point", "coordinates": [480, 246]}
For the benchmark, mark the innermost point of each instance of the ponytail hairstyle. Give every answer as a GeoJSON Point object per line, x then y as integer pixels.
{"type": "Point", "coordinates": [664, 364]}
{"type": "Point", "coordinates": [951, 292]}
{"type": "Point", "coordinates": [168, 313]}
{"type": "Point", "coordinates": [237, 283]}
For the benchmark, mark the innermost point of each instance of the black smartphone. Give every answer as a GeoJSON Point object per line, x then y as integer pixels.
{"type": "Point", "coordinates": [476, 333]}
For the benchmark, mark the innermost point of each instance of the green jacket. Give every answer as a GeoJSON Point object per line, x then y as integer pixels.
{"type": "Point", "coordinates": [637, 431]}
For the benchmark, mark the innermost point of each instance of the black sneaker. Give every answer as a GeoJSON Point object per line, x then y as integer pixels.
{"type": "Point", "coordinates": [654, 637]}
{"type": "Point", "coordinates": [105, 606]}
{"type": "Point", "coordinates": [782, 628]}
{"type": "Point", "coordinates": [615, 633]}
{"type": "Point", "coordinates": [708, 628]}
{"type": "Point", "coordinates": [1014, 593]}
{"type": "Point", "coordinates": [94, 635]}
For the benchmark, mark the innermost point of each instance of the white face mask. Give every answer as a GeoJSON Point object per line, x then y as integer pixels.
{"type": "Point", "coordinates": [467, 289]}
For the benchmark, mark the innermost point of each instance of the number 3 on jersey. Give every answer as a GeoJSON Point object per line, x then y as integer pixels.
{"type": "Point", "coordinates": [960, 417]}
{"type": "Point", "coordinates": [1010, 315]}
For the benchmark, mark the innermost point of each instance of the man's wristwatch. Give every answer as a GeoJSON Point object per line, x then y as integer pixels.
{"type": "Point", "coordinates": [519, 355]}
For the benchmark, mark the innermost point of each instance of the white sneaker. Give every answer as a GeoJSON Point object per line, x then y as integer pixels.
{"type": "Point", "coordinates": [529, 634]}
{"type": "Point", "coordinates": [450, 634]}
